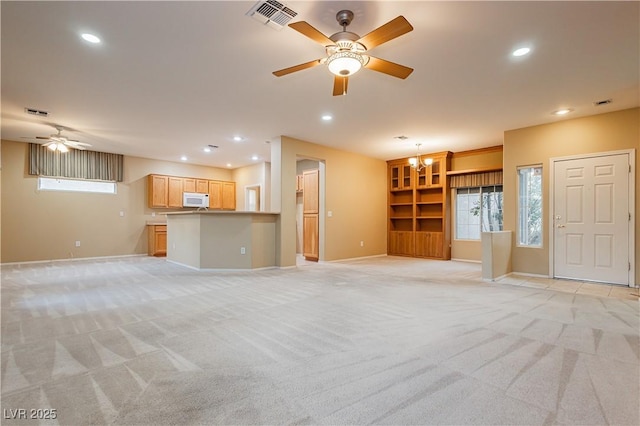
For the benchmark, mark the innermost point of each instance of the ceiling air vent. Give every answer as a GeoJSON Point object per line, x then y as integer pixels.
{"type": "Point", "coordinates": [37, 112]}
{"type": "Point", "coordinates": [603, 102]}
{"type": "Point", "coordinates": [271, 13]}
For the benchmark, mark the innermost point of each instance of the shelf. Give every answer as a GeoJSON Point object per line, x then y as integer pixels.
{"type": "Point", "coordinates": [417, 208]}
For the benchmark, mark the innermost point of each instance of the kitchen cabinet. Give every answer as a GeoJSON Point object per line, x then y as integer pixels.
{"type": "Point", "coordinates": [222, 195]}
{"type": "Point", "coordinates": [167, 191]}
{"type": "Point", "coordinates": [157, 240]}
{"type": "Point", "coordinates": [174, 196]}
{"type": "Point", "coordinates": [310, 215]}
{"type": "Point", "coordinates": [158, 191]}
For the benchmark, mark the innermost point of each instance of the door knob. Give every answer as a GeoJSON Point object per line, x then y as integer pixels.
{"type": "Point", "coordinates": [560, 226]}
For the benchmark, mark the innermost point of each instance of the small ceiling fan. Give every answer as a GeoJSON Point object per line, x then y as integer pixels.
{"type": "Point", "coordinates": [347, 52]}
{"type": "Point", "coordinates": [57, 142]}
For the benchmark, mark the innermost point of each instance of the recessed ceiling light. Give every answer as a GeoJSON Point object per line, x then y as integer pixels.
{"type": "Point", "coordinates": [521, 52]}
{"type": "Point", "coordinates": [207, 149]}
{"type": "Point", "coordinates": [183, 158]}
{"type": "Point", "coordinates": [327, 117]}
{"type": "Point", "coordinates": [562, 111]}
{"type": "Point", "coordinates": [254, 158]}
{"type": "Point", "coordinates": [228, 164]}
{"type": "Point", "coordinates": [237, 138]}
{"type": "Point", "coordinates": [91, 38]}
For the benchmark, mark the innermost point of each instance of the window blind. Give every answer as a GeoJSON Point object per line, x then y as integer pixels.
{"type": "Point", "coordinates": [76, 163]}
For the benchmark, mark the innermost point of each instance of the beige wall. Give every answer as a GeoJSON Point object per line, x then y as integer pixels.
{"type": "Point", "coordinates": [355, 192]}
{"type": "Point", "coordinates": [537, 145]}
{"type": "Point", "coordinates": [252, 175]}
{"type": "Point", "coordinates": [477, 159]}
{"type": "Point", "coordinates": [44, 225]}
{"type": "Point", "coordinates": [471, 160]}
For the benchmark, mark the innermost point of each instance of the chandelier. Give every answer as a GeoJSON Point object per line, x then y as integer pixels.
{"type": "Point", "coordinates": [419, 163]}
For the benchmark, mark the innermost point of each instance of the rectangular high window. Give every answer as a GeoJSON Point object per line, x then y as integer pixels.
{"type": "Point", "coordinates": [75, 185]}
{"type": "Point", "coordinates": [530, 206]}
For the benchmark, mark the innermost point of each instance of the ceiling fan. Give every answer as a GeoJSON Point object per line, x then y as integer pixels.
{"type": "Point", "coordinates": [347, 52]}
{"type": "Point", "coordinates": [57, 142]}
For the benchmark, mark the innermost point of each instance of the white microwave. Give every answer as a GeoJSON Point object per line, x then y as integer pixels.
{"type": "Point", "coordinates": [195, 199]}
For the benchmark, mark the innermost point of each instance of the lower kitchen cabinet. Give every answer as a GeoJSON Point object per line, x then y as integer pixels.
{"type": "Point", "coordinates": [157, 237]}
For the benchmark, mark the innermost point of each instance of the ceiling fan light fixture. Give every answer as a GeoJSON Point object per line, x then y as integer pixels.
{"type": "Point", "coordinates": [345, 64]}
{"type": "Point", "coordinates": [52, 146]}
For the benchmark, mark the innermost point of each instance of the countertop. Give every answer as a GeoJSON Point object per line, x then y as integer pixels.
{"type": "Point", "coordinates": [156, 222]}
{"type": "Point", "coordinates": [220, 212]}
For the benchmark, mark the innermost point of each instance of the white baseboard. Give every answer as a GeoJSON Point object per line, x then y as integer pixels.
{"type": "Point", "coordinates": [354, 258]}
{"type": "Point", "coordinates": [73, 259]}
{"type": "Point", "coordinates": [466, 260]}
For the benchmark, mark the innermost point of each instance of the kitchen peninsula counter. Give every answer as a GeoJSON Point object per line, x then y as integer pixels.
{"type": "Point", "coordinates": [204, 239]}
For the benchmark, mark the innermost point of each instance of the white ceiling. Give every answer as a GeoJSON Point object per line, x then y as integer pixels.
{"type": "Point", "coordinates": [170, 78]}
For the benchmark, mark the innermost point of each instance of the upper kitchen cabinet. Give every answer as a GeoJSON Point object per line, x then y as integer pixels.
{"type": "Point", "coordinates": [167, 191]}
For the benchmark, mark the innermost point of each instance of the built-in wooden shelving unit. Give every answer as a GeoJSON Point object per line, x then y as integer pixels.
{"type": "Point", "coordinates": [419, 208]}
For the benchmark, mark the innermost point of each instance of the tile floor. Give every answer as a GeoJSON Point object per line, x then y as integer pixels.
{"type": "Point", "coordinates": [572, 286]}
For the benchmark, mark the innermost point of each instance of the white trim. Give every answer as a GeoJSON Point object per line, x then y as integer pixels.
{"type": "Point", "coordinates": [73, 259]}
{"type": "Point", "coordinates": [173, 262]}
{"type": "Point", "coordinates": [466, 260]}
{"type": "Point", "coordinates": [493, 280]}
{"type": "Point", "coordinates": [260, 186]}
{"type": "Point", "coordinates": [526, 274]}
{"type": "Point", "coordinates": [517, 232]}
{"type": "Point", "coordinates": [354, 258]}
{"type": "Point", "coordinates": [632, 206]}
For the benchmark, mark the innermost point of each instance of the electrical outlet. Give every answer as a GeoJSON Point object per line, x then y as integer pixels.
{"type": "Point", "coordinates": [77, 243]}
{"type": "Point", "coordinates": [243, 250]}
{"type": "Point", "coordinates": [153, 214]}
{"type": "Point", "coordinates": [121, 213]}
{"type": "Point", "coordinates": [361, 243]}
{"type": "Point", "coordinates": [330, 213]}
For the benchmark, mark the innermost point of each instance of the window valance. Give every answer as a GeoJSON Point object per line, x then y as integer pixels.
{"type": "Point", "coordinates": [468, 180]}
{"type": "Point", "coordinates": [76, 163]}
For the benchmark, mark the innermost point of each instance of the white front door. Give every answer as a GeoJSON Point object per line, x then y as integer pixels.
{"type": "Point", "coordinates": [591, 218]}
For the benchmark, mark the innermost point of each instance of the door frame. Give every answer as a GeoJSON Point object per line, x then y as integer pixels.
{"type": "Point", "coordinates": [260, 188]}
{"type": "Point", "coordinates": [631, 273]}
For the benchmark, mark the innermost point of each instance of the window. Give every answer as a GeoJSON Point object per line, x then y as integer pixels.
{"type": "Point", "coordinates": [478, 210]}
{"type": "Point", "coordinates": [530, 206]}
{"type": "Point", "coordinates": [62, 184]}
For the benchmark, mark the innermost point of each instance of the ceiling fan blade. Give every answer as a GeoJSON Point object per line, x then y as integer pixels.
{"type": "Point", "coordinates": [306, 29]}
{"type": "Point", "coordinates": [76, 144]}
{"type": "Point", "coordinates": [43, 137]}
{"type": "Point", "coordinates": [340, 85]}
{"type": "Point", "coordinates": [392, 29]}
{"type": "Point", "coordinates": [295, 68]}
{"type": "Point", "coordinates": [388, 67]}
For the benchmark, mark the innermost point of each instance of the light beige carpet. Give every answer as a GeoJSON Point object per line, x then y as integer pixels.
{"type": "Point", "coordinates": [377, 341]}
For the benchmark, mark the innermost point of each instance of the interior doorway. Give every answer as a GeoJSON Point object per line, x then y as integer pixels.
{"type": "Point", "coordinates": [591, 228]}
{"type": "Point", "coordinates": [252, 198]}
{"type": "Point", "coordinates": [309, 208]}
